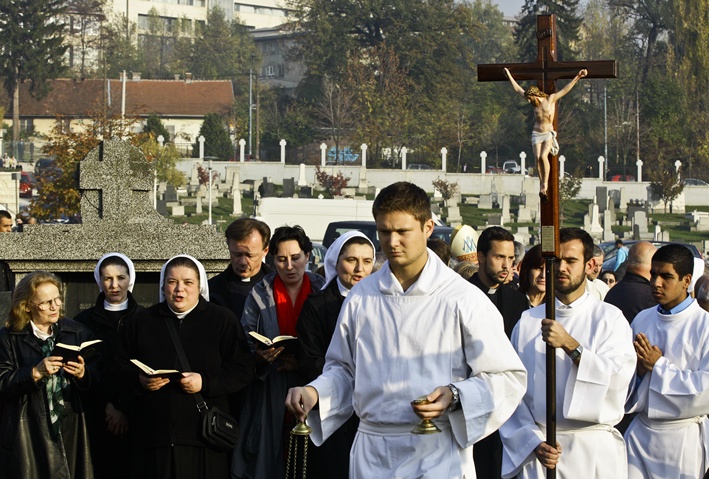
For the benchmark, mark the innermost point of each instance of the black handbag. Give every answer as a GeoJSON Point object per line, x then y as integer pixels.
{"type": "Point", "coordinates": [219, 430]}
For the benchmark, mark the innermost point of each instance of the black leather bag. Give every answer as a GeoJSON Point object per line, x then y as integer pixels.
{"type": "Point", "coordinates": [219, 430]}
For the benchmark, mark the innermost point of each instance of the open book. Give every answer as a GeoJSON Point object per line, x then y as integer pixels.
{"type": "Point", "coordinates": [70, 352]}
{"type": "Point", "coordinates": [157, 373]}
{"type": "Point", "coordinates": [288, 342]}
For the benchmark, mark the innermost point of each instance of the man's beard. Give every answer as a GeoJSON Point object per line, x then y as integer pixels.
{"type": "Point", "coordinates": [573, 285]}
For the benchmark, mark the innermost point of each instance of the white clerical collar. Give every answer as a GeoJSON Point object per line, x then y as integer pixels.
{"type": "Point", "coordinates": [342, 288]}
{"type": "Point", "coordinates": [182, 315]}
{"type": "Point", "coordinates": [573, 304]}
{"type": "Point", "coordinates": [115, 307]}
{"type": "Point", "coordinates": [39, 333]}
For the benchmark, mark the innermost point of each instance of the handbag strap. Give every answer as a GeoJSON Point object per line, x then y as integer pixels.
{"type": "Point", "coordinates": [184, 364]}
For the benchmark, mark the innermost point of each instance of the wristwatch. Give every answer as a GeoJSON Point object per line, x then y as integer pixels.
{"type": "Point", "coordinates": [455, 402]}
{"type": "Point", "coordinates": [575, 355]}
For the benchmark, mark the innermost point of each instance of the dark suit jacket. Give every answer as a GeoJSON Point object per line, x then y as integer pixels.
{"type": "Point", "coordinates": [509, 302]}
{"type": "Point", "coordinates": [631, 295]}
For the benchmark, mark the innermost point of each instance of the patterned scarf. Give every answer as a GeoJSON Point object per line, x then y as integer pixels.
{"type": "Point", "coordinates": [286, 311]}
{"type": "Point", "coordinates": [55, 386]}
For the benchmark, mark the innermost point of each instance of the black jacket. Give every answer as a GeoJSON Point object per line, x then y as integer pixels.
{"type": "Point", "coordinates": [509, 302]}
{"type": "Point", "coordinates": [316, 325]}
{"type": "Point", "coordinates": [104, 326]}
{"type": "Point", "coordinates": [27, 449]}
{"type": "Point", "coordinates": [215, 346]}
{"type": "Point", "coordinates": [228, 290]}
{"type": "Point", "coordinates": [632, 294]}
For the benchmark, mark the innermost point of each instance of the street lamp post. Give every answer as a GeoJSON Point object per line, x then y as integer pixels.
{"type": "Point", "coordinates": [210, 191]}
{"type": "Point", "coordinates": [161, 141]}
{"type": "Point", "coordinates": [251, 103]}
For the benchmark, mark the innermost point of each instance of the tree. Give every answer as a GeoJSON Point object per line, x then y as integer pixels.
{"type": "Point", "coordinates": [32, 48]}
{"type": "Point", "coordinates": [216, 138]}
{"type": "Point", "coordinates": [222, 49]}
{"type": "Point", "coordinates": [333, 184]}
{"type": "Point", "coordinates": [336, 111]}
{"type": "Point", "coordinates": [120, 48]}
{"type": "Point", "coordinates": [447, 188]}
{"type": "Point", "coordinates": [155, 128]}
{"type": "Point", "coordinates": [165, 159]}
{"type": "Point", "coordinates": [665, 185]}
{"type": "Point", "coordinates": [84, 18]}
{"type": "Point", "coordinates": [568, 25]}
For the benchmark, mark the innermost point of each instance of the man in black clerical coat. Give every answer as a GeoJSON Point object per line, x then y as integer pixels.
{"type": "Point", "coordinates": [247, 240]}
{"type": "Point", "coordinates": [632, 294]}
{"type": "Point", "coordinates": [496, 256]}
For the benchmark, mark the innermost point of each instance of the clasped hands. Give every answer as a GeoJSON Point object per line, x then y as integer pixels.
{"type": "Point", "coordinates": [647, 353]}
{"type": "Point", "coordinates": [289, 361]}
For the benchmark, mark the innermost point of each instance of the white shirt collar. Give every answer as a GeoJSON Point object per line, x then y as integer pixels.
{"type": "Point", "coordinates": [573, 304]}
{"type": "Point", "coordinates": [341, 287]}
{"type": "Point", "coordinates": [39, 333]}
{"type": "Point", "coordinates": [115, 307]}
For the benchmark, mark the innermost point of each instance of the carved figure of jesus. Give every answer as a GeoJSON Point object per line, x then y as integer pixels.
{"type": "Point", "coordinates": [543, 134]}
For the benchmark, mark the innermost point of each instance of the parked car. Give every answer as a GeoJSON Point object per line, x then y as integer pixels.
{"type": "Point", "coordinates": [317, 257]}
{"type": "Point", "coordinates": [694, 182]}
{"type": "Point", "coordinates": [28, 185]}
{"type": "Point", "coordinates": [610, 251]}
{"type": "Point", "coordinates": [512, 167]}
{"type": "Point", "coordinates": [43, 164]}
{"type": "Point", "coordinates": [369, 228]}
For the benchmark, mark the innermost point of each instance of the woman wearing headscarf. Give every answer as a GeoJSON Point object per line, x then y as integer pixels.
{"type": "Point", "coordinates": [165, 424]}
{"type": "Point", "coordinates": [272, 309]}
{"type": "Point", "coordinates": [43, 430]}
{"type": "Point", "coordinates": [348, 260]}
{"type": "Point", "coordinates": [107, 404]}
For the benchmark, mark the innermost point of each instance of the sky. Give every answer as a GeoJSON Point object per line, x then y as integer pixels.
{"type": "Point", "coordinates": [510, 8]}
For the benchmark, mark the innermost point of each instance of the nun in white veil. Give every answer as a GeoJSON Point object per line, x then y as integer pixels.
{"type": "Point", "coordinates": [167, 443]}
{"type": "Point", "coordinates": [106, 405]}
{"type": "Point", "coordinates": [348, 260]}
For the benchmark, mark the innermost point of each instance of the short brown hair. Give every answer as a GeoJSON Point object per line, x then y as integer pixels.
{"type": "Point", "coordinates": [403, 197]}
{"type": "Point", "coordinates": [240, 229]}
{"type": "Point", "coordinates": [19, 316]}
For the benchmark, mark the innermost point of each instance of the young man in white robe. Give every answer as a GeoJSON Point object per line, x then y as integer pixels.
{"type": "Point", "coordinates": [595, 361]}
{"type": "Point", "coordinates": [414, 328]}
{"type": "Point", "coordinates": [669, 436]}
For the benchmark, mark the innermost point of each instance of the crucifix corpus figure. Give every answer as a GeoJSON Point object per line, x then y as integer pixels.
{"type": "Point", "coordinates": [543, 135]}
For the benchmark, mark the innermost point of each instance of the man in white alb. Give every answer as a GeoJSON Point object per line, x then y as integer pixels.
{"type": "Point", "coordinates": [595, 361]}
{"type": "Point", "coordinates": [669, 437]}
{"type": "Point", "coordinates": [414, 328]}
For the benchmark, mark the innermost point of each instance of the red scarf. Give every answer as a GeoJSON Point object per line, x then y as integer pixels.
{"type": "Point", "coordinates": [286, 311]}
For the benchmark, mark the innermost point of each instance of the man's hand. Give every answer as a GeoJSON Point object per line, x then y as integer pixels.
{"type": "Point", "coordinates": [556, 336]}
{"type": "Point", "coordinates": [268, 355]}
{"type": "Point", "coordinates": [582, 73]}
{"type": "Point", "coordinates": [435, 405]}
{"type": "Point", "coordinates": [300, 401]}
{"type": "Point", "coordinates": [191, 383]}
{"type": "Point", "coordinates": [507, 73]}
{"type": "Point", "coordinates": [648, 354]}
{"type": "Point", "coordinates": [548, 456]}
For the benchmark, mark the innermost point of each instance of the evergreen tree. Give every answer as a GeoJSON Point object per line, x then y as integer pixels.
{"type": "Point", "coordinates": [568, 23]}
{"type": "Point", "coordinates": [216, 138]}
{"type": "Point", "coordinates": [32, 48]}
{"type": "Point", "coordinates": [155, 128]}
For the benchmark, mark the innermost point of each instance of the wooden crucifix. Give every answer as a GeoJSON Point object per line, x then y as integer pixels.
{"type": "Point", "coordinates": [546, 70]}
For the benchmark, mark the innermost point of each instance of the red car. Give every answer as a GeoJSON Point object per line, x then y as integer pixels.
{"type": "Point", "coordinates": [28, 185]}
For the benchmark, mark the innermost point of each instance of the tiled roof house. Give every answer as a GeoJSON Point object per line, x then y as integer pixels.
{"type": "Point", "coordinates": [181, 104]}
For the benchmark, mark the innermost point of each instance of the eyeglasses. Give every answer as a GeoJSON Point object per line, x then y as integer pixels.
{"type": "Point", "coordinates": [45, 305]}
